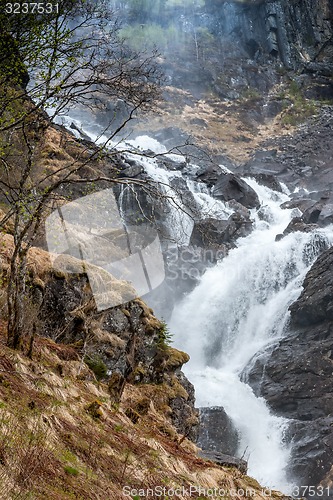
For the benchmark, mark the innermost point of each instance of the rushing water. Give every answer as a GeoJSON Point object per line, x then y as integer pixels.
{"type": "Point", "coordinates": [239, 309]}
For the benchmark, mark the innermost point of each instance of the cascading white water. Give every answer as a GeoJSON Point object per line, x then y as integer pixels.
{"type": "Point", "coordinates": [178, 223]}
{"type": "Point", "coordinates": [240, 308]}
{"type": "Point", "coordinates": [208, 206]}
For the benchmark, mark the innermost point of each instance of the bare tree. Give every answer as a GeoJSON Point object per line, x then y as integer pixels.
{"type": "Point", "coordinates": [74, 57]}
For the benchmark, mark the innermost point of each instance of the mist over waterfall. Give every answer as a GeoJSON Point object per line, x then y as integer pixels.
{"type": "Point", "coordinates": [238, 311]}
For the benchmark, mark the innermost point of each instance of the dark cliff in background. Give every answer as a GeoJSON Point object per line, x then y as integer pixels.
{"type": "Point", "coordinates": [296, 32]}
{"type": "Point", "coordinates": [202, 43]}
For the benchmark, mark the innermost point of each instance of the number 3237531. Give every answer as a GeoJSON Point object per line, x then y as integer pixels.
{"type": "Point", "coordinates": [31, 8]}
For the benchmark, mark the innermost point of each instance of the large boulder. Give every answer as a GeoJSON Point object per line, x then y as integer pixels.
{"type": "Point", "coordinates": [231, 187]}
{"type": "Point", "coordinates": [217, 432]}
{"type": "Point", "coordinates": [301, 203]}
{"type": "Point", "coordinates": [297, 224]}
{"type": "Point", "coordinates": [313, 212]}
{"type": "Point", "coordinates": [210, 232]}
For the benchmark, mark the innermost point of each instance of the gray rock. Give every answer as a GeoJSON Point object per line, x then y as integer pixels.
{"type": "Point", "coordinates": [301, 203]}
{"type": "Point", "coordinates": [210, 232]}
{"type": "Point", "coordinates": [297, 224]}
{"type": "Point", "coordinates": [326, 215]}
{"type": "Point", "coordinates": [209, 175]}
{"type": "Point", "coordinates": [312, 443]}
{"type": "Point", "coordinates": [231, 187]}
{"type": "Point", "coordinates": [267, 180]}
{"type": "Point", "coordinates": [315, 303]}
{"type": "Point", "coordinates": [311, 214]}
{"type": "Point", "coordinates": [183, 417]}
{"type": "Point", "coordinates": [225, 460]}
{"type": "Point", "coordinates": [217, 432]}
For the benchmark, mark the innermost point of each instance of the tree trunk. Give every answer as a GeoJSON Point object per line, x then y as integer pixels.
{"type": "Point", "coordinates": [16, 296]}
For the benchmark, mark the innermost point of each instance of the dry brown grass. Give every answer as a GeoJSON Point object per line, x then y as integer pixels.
{"type": "Point", "coordinates": [217, 125]}
{"type": "Point", "coordinates": [52, 447]}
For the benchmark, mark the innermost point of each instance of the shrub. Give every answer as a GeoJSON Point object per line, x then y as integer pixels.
{"type": "Point", "coordinates": [164, 336]}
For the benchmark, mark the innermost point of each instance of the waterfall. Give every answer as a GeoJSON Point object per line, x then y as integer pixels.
{"type": "Point", "coordinates": [239, 309]}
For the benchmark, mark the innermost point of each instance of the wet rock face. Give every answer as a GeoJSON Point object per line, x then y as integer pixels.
{"type": "Point", "coordinates": [296, 376]}
{"type": "Point", "coordinates": [216, 431]}
{"type": "Point", "coordinates": [297, 33]}
{"type": "Point", "coordinates": [315, 304]}
{"type": "Point", "coordinates": [312, 442]}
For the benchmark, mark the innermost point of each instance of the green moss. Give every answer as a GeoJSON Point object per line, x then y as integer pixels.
{"type": "Point", "coordinates": [251, 94]}
{"type": "Point", "coordinates": [97, 365]}
{"type": "Point", "coordinates": [71, 471]}
{"type": "Point", "coordinates": [175, 359]}
{"type": "Point", "coordinates": [298, 112]}
{"type": "Point", "coordinates": [69, 457]}
{"type": "Point", "coordinates": [296, 106]}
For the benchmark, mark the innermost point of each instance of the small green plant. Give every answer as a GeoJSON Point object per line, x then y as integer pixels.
{"type": "Point", "coordinates": [71, 471]}
{"type": "Point", "coordinates": [294, 89]}
{"type": "Point", "coordinates": [251, 94]}
{"type": "Point", "coordinates": [299, 111]}
{"type": "Point", "coordinates": [165, 337]}
{"type": "Point", "coordinates": [118, 428]}
{"type": "Point", "coordinates": [69, 457]}
{"type": "Point", "coordinates": [94, 409]}
{"type": "Point", "coordinates": [97, 365]}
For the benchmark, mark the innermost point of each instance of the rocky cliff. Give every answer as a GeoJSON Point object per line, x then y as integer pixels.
{"type": "Point", "coordinates": [254, 43]}
{"type": "Point", "coordinates": [296, 33]}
